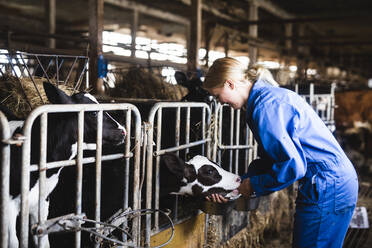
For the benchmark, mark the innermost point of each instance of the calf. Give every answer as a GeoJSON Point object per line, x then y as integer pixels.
{"type": "Point", "coordinates": [62, 134]}
{"type": "Point", "coordinates": [199, 177]}
{"type": "Point", "coordinates": [194, 86]}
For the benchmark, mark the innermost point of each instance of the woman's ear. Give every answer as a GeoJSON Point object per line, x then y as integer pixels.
{"type": "Point", "coordinates": [230, 83]}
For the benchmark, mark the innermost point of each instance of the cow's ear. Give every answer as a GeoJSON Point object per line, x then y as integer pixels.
{"type": "Point", "coordinates": [56, 95]}
{"type": "Point", "coordinates": [181, 78]}
{"type": "Point", "coordinates": [174, 164]}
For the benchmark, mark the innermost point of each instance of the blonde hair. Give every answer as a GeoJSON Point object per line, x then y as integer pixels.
{"type": "Point", "coordinates": [230, 68]}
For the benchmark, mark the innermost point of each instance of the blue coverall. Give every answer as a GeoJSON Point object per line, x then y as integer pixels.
{"type": "Point", "coordinates": [300, 147]}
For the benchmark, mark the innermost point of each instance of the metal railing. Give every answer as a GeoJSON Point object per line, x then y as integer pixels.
{"type": "Point", "coordinates": [43, 165]}
{"type": "Point", "coordinates": [223, 136]}
{"type": "Point", "coordinates": [233, 135]}
{"type": "Point", "coordinates": [323, 104]}
{"type": "Point", "coordinates": [5, 167]}
{"type": "Point", "coordinates": [154, 125]}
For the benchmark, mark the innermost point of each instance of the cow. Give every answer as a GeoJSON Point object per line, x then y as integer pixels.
{"type": "Point", "coordinates": [194, 86]}
{"type": "Point", "coordinates": [62, 135]}
{"type": "Point", "coordinates": [199, 177]}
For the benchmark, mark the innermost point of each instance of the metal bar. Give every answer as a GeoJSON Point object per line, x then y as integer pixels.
{"type": "Point", "coordinates": [81, 76]}
{"type": "Point", "coordinates": [246, 157]}
{"type": "Point", "coordinates": [65, 163]}
{"type": "Point", "coordinates": [311, 99]}
{"type": "Point", "coordinates": [42, 68]}
{"type": "Point", "coordinates": [157, 163]}
{"type": "Point", "coordinates": [70, 71]}
{"type": "Point", "coordinates": [79, 172]}
{"type": "Point", "coordinates": [231, 137]}
{"type": "Point", "coordinates": [137, 159]}
{"type": "Point", "coordinates": [126, 171]}
{"type": "Point", "coordinates": [177, 143]}
{"type": "Point", "coordinates": [25, 183]}
{"type": "Point", "coordinates": [98, 169]}
{"type": "Point", "coordinates": [187, 134]}
{"type": "Point", "coordinates": [181, 147]}
{"type": "Point", "coordinates": [49, 64]}
{"type": "Point", "coordinates": [57, 70]}
{"type": "Point", "coordinates": [237, 130]}
{"type": "Point", "coordinates": [42, 174]}
{"type": "Point", "coordinates": [5, 172]}
{"type": "Point", "coordinates": [219, 137]}
{"type": "Point", "coordinates": [203, 133]}
{"type": "Point", "coordinates": [33, 81]}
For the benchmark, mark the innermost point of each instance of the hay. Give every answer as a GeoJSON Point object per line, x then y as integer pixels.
{"type": "Point", "coordinates": [266, 225]}
{"type": "Point", "coordinates": [140, 83]}
{"type": "Point", "coordinates": [21, 96]}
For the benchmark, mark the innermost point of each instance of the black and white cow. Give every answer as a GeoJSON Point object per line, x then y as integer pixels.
{"type": "Point", "coordinates": [62, 134]}
{"type": "Point", "coordinates": [194, 86]}
{"type": "Point", "coordinates": [199, 177]}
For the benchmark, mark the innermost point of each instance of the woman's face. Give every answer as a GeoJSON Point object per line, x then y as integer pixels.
{"type": "Point", "coordinates": [231, 94]}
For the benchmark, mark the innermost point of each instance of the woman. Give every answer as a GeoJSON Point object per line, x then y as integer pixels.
{"type": "Point", "coordinates": [297, 145]}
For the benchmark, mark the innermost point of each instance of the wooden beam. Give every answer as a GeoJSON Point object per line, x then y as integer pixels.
{"type": "Point", "coordinates": [41, 49]}
{"type": "Point", "coordinates": [50, 20]}
{"type": "Point", "coordinates": [195, 35]}
{"type": "Point", "coordinates": [144, 62]}
{"type": "Point", "coordinates": [95, 43]}
{"type": "Point", "coordinates": [272, 8]}
{"type": "Point", "coordinates": [133, 32]}
{"type": "Point", "coordinates": [253, 32]}
{"type": "Point", "coordinates": [143, 9]}
{"type": "Point", "coordinates": [212, 10]}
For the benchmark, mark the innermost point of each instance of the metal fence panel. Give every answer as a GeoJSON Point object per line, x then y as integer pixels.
{"type": "Point", "coordinates": [180, 113]}
{"type": "Point", "coordinates": [5, 167]}
{"type": "Point", "coordinates": [43, 111]}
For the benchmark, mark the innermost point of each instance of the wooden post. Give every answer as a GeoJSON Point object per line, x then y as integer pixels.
{"type": "Point", "coordinates": [253, 32]}
{"type": "Point", "coordinates": [226, 44]}
{"type": "Point", "coordinates": [95, 43]}
{"type": "Point", "coordinates": [50, 20]}
{"type": "Point", "coordinates": [134, 32]}
{"type": "Point", "coordinates": [300, 53]}
{"type": "Point", "coordinates": [288, 42]}
{"type": "Point", "coordinates": [195, 35]}
{"type": "Point", "coordinates": [208, 33]}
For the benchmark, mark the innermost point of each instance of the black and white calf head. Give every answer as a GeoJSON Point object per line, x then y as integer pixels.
{"type": "Point", "coordinates": [199, 177]}
{"type": "Point", "coordinates": [194, 85]}
{"type": "Point", "coordinates": [112, 132]}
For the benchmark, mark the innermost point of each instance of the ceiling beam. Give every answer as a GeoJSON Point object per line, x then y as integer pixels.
{"type": "Point", "coordinates": [212, 10]}
{"type": "Point", "coordinates": [143, 9]}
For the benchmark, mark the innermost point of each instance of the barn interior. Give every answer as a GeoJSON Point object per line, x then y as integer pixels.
{"type": "Point", "coordinates": [126, 51]}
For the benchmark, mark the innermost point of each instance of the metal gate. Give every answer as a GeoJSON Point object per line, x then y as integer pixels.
{"type": "Point", "coordinates": [131, 154]}
{"type": "Point", "coordinates": [323, 104]}
{"type": "Point", "coordinates": [5, 162]}
{"type": "Point", "coordinates": [178, 113]}
{"type": "Point", "coordinates": [233, 136]}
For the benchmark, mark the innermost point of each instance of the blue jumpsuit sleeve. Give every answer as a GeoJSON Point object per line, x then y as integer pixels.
{"type": "Point", "coordinates": [275, 125]}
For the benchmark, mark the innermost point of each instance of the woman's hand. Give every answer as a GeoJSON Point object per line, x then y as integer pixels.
{"type": "Point", "coordinates": [216, 198]}
{"type": "Point", "coordinates": [245, 188]}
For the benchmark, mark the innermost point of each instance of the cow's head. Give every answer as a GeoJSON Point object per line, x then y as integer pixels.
{"type": "Point", "coordinates": [112, 132]}
{"type": "Point", "coordinates": [194, 85]}
{"type": "Point", "coordinates": [198, 177]}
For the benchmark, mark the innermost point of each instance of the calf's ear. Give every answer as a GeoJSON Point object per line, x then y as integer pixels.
{"type": "Point", "coordinates": [56, 95]}
{"type": "Point", "coordinates": [174, 164]}
{"type": "Point", "coordinates": [181, 78]}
